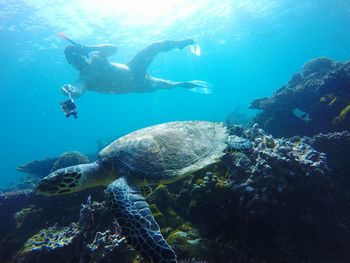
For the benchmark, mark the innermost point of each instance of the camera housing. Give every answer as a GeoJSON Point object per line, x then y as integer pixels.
{"type": "Point", "coordinates": [69, 108]}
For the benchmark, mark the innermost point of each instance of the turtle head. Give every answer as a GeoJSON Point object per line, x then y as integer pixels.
{"type": "Point", "coordinates": [73, 179]}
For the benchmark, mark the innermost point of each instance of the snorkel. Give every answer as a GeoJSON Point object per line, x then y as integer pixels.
{"type": "Point", "coordinates": [63, 36]}
{"type": "Point", "coordinates": [85, 49]}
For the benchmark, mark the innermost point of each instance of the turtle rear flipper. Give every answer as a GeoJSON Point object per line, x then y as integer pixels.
{"type": "Point", "coordinates": [137, 223]}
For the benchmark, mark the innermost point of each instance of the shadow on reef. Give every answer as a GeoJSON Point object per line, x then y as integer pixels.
{"type": "Point", "coordinates": [315, 100]}
{"type": "Point", "coordinates": [267, 200]}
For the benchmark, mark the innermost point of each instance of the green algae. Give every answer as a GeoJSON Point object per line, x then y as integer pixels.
{"type": "Point", "coordinates": [21, 215]}
{"type": "Point", "coordinates": [344, 115]}
{"type": "Point", "coordinates": [199, 181]}
{"type": "Point", "coordinates": [161, 205]}
{"type": "Point", "coordinates": [155, 211]}
{"type": "Point", "coordinates": [199, 198]}
{"type": "Point", "coordinates": [187, 242]}
{"type": "Point", "coordinates": [334, 101]}
{"type": "Point", "coordinates": [269, 141]}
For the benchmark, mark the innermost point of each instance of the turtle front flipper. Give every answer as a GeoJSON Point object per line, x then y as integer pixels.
{"type": "Point", "coordinates": [137, 223]}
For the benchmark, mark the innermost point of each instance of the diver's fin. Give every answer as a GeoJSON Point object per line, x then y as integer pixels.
{"type": "Point", "coordinates": [195, 49]}
{"type": "Point", "coordinates": [202, 87]}
{"type": "Point", "coordinates": [202, 90]}
{"type": "Point", "coordinates": [135, 219]}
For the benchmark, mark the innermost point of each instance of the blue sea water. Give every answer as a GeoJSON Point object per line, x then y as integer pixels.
{"type": "Point", "coordinates": [249, 49]}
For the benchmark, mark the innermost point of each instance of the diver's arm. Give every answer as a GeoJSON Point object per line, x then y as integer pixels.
{"type": "Point", "coordinates": [77, 56]}
{"type": "Point", "coordinates": [74, 91]}
{"type": "Point", "coordinates": [77, 50]}
{"type": "Point", "coordinates": [103, 50]}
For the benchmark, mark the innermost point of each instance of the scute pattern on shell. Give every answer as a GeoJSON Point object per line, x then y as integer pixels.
{"type": "Point", "coordinates": [167, 150]}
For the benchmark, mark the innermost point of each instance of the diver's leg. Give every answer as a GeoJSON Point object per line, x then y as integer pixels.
{"type": "Point", "coordinates": [77, 56]}
{"type": "Point", "coordinates": [103, 50]}
{"type": "Point", "coordinates": [194, 85]}
{"type": "Point", "coordinates": [98, 62]}
{"type": "Point", "coordinates": [154, 84]}
{"type": "Point", "coordinates": [142, 60]}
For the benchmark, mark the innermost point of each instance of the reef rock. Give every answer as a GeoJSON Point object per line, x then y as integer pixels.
{"type": "Point", "coordinates": [273, 171]}
{"type": "Point", "coordinates": [315, 100]}
{"type": "Point", "coordinates": [275, 163]}
{"type": "Point", "coordinates": [94, 238]}
{"type": "Point", "coordinates": [38, 169]}
{"type": "Point", "coordinates": [68, 159]}
{"type": "Point", "coordinates": [277, 192]}
{"type": "Point", "coordinates": [337, 148]}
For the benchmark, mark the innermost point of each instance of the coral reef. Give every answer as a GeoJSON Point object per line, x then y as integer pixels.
{"type": "Point", "coordinates": [237, 143]}
{"type": "Point", "coordinates": [41, 168]}
{"type": "Point", "coordinates": [38, 169]}
{"type": "Point", "coordinates": [22, 214]}
{"type": "Point", "coordinates": [274, 191]}
{"type": "Point", "coordinates": [14, 208]}
{"type": "Point", "coordinates": [68, 159]}
{"type": "Point", "coordinates": [274, 164]}
{"type": "Point", "coordinates": [11, 236]}
{"type": "Point", "coordinates": [94, 238]}
{"type": "Point", "coordinates": [321, 91]}
{"type": "Point", "coordinates": [49, 244]}
{"type": "Point", "coordinates": [291, 195]}
{"type": "Point", "coordinates": [337, 148]}
{"type": "Point", "coordinates": [278, 193]}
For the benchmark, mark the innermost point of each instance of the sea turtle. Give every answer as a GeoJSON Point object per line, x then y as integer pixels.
{"type": "Point", "coordinates": [162, 153]}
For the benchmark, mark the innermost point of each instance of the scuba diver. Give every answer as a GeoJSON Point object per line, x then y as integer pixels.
{"type": "Point", "coordinates": [100, 75]}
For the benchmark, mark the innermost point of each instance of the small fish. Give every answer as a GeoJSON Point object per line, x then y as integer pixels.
{"type": "Point", "coordinates": [304, 116]}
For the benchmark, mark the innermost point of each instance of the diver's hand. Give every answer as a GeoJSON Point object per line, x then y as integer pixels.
{"type": "Point", "coordinates": [105, 50]}
{"type": "Point", "coordinates": [67, 90]}
{"type": "Point", "coordinates": [186, 42]}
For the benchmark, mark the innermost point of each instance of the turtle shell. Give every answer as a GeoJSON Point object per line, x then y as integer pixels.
{"type": "Point", "coordinates": [166, 152]}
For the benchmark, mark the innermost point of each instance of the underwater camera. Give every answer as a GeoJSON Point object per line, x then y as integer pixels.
{"type": "Point", "coordinates": [69, 108]}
